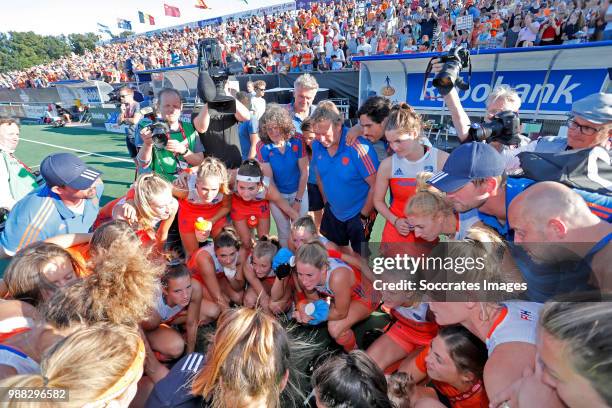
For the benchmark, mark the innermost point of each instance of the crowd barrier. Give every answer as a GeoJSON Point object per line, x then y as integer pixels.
{"type": "Point", "coordinates": [548, 79]}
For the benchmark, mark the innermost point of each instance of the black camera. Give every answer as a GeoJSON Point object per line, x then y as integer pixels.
{"type": "Point", "coordinates": [113, 97]}
{"type": "Point", "coordinates": [211, 63]}
{"type": "Point", "coordinates": [160, 134]}
{"type": "Point", "coordinates": [504, 128]}
{"type": "Point", "coordinates": [454, 61]}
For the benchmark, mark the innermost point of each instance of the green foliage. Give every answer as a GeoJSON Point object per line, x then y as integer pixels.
{"type": "Point", "coordinates": [83, 42]}
{"type": "Point", "coordinates": [126, 34]}
{"type": "Point", "coordinates": [21, 50]}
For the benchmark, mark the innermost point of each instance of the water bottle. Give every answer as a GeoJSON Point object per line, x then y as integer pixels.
{"type": "Point", "coordinates": [252, 221]}
{"type": "Point", "coordinates": [202, 229]}
{"type": "Point", "coordinates": [318, 310]}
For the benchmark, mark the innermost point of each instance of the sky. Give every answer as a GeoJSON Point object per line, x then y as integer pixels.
{"type": "Point", "coordinates": [54, 17]}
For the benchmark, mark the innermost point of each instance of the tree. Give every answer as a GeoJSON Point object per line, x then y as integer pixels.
{"type": "Point", "coordinates": [81, 43]}
{"type": "Point", "coordinates": [126, 34]}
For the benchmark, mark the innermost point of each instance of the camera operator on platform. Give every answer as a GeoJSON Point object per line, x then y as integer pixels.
{"type": "Point", "coordinates": [502, 100]}
{"type": "Point", "coordinates": [221, 112]}
{"type": "Point", "coordinates": [181, 148]}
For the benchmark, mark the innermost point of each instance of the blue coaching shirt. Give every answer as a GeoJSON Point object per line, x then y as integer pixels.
{"type": "Point", "coordinates": [245, 129]}
{"type": "Point", "coordinates": [41, 215]}
{"type": "Point", "coordinates": [343, 174]}
{"type": "Point", "coordinates": [285, 166]}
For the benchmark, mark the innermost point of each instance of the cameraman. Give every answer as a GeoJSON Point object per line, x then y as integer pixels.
{"type": "Point", "coordinates": [183, 148]}
{"type": "Point", "coordinates": [130, 116]}
{"type": "Point", "coordinates": [502, 98]}
{"type": "Point", "coordinates": [220, 138]}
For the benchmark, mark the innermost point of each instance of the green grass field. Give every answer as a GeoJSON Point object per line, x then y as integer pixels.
{"type": "Point", "coordinates": [104, 151]}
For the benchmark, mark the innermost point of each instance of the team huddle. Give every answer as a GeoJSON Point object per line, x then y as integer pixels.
{"type": "Point", "coordinates": [107, 301]}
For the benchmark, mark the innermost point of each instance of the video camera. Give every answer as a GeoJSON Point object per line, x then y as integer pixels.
{"type": "Point", "coordinates": [454, 61]}
{"type": "Point", "coordinates": [210, 63]}
{"type": "Point", "coordinates": [504, 128]}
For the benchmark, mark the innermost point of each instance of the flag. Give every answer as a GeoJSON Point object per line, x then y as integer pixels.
{"type": "Point", "coordinates": [146, 18]}
{"type": "Point", "coordinates": [172, 11]}
{"type": "Point", "coordinates": [104, 29]}
{"type": "Point", "coordinates": [124, 24]}
{"type": "Point", "coordinates": [201, 4]}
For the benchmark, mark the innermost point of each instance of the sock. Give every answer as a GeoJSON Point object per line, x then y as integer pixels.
{"type": "Point", "coordinates": [347, 340]}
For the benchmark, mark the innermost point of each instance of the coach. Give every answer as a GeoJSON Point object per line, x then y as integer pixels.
{"type": "Point", "coordinates": [346, 175]}
{"type": "Point", "coordinates": [67, 204]}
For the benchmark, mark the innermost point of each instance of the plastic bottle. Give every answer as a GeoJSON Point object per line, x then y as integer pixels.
{"type": "Point", "coordinates": [318, 310]}
{"type": "Point", "coordinates": [202, 229]}
{"type": "Point", "coordinates": [252, 221]}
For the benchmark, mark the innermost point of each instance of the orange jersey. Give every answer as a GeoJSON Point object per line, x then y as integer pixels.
{"type": "Point", "coordinates": [475, 397]}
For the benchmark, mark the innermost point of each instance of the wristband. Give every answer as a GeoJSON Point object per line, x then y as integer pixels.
{"type": "Point", "coordinates": [297, 200]}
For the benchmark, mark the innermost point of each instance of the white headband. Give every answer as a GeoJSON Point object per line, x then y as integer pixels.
{"type": "Point", "coordinates": [248, 179]}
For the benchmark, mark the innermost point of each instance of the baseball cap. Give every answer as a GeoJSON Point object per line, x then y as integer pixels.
{"type": "Point", "coordinates": [468, 162]}
{"type": "Point", "coordinates": [596, 108]}
{"type": "Point", "coordinates": [65, 169]}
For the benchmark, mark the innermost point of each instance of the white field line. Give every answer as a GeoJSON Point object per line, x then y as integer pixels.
{"type": "Point", "coordinates": [86, 153]}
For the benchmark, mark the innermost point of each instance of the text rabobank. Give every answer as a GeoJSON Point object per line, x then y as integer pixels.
{"type": "Point", "coordinates": [562, 88]}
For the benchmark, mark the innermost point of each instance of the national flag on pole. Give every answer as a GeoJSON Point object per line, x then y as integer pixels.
{"type": "Point", "coordinates": [172, 11]}
{"type": "Point", "coordinates": [104, 29]}
{"type": "Point", "coordinates": [124, 24]}
{"type": "Point", "coordinates": [201, 4]}
{"type": "Point", "coordinates": [146, 18]}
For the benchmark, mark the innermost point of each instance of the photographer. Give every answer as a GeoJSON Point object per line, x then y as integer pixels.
{"type": "Point", "coordinates": [130, 116]}
{"type": "Point", "coordinates": [501, 99]}
{"type": "Point", "coordinates": [221, 112]}
{"type": "Point", "coordinates": [179, 147]}
{"type": "Point", "coordinates": [221, 139]}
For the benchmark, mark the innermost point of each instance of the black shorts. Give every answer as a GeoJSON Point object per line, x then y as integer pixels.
{"type": "Point", "coordinates": [315, 198]}
{"type": "Point", "coordinates": [343, 233]}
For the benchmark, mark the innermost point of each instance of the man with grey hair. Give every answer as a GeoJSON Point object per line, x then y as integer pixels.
{"type": "Point", "coordinates": [502, 98]}
{"type": "Point", "coordinates": [305, 90]}
{"type": "Point", "coordinates": [589, 125]}
{"type": "Point", "coordinates": [346, 176]}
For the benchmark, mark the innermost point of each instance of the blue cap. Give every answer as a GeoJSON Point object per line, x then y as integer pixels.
{"type": "Point", "coordinates": [65, 169]}
{"type": "Point", "coordinates": [468, 162]}
{"type": "Point", "coordinates": [596, 108]}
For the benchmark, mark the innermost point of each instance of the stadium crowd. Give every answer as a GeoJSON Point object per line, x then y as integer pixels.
{"type": "Point", "coordinates": [108, 302]}
{"type": "Point", "coordinates": [327, 36]}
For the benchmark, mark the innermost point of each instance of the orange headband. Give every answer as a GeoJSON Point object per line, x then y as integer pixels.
{"type": "Point", "coordinates": [128, 378]}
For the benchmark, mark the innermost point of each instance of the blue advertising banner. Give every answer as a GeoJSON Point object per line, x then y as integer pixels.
{"type": "Point", "coordinates": [563, 88]}
{"type": "Point", "coordinates": [548, 79]}
{"type": "Point", "coordinates": [210, 21]}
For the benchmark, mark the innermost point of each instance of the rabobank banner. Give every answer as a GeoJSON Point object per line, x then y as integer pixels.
{"type": "Point", "coordinates": [548, 79]}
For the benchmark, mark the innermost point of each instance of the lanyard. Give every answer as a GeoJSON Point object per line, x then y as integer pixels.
{"type": "Point", "coordinates": [21, 163]}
